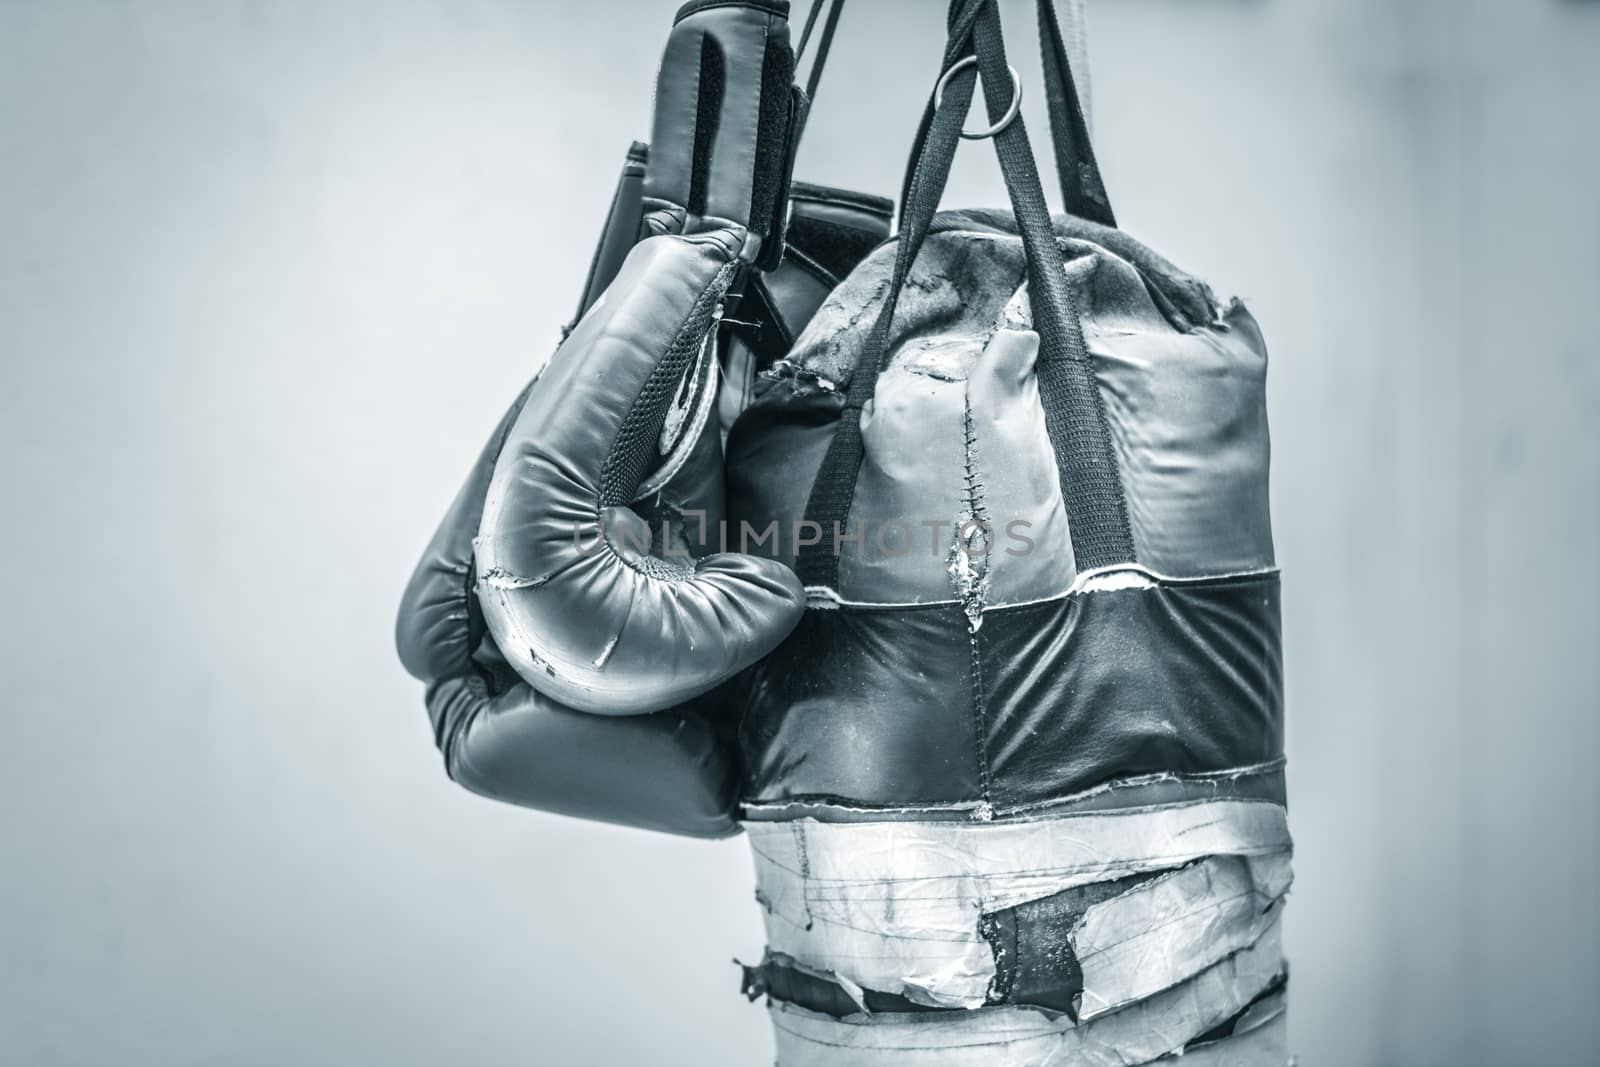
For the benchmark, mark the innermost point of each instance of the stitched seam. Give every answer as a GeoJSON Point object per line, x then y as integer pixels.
{"type": "Point", "coordinates": [833, 803]}
{"type": "Point", "coordinates": [985, 809]}
{"type": "Point", "coordinates": [687, 342]}
{"type": "Point", "coordinates": [822, 597]}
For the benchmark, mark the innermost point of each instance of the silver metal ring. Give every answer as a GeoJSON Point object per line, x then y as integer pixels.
{"type": "Point", "coordinates": [1005, 120]}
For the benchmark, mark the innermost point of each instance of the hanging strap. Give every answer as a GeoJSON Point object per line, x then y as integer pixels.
{"type": "Point", "coordinates": [824, 43]}
{"type": "Point", "coordinates": [1083, 193]}
{"type": "Point", "coordinates": [1091, 486]}
{"type": "Point", "coordinates": [829, 502]}
{"type": "Point", "coordinates": [1074, 411]}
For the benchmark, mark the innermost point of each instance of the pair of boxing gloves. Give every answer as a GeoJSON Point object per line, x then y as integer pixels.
{"type": "Point", "coordinates": [570, 617]}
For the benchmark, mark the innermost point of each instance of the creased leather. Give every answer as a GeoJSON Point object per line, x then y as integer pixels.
{"type": "Point", "coordinates": [667, 772]}
{"type": "Point", "coordinates": [1183, 386]}
{"type": "Point", "coordinates": [740, 32]}
{"type": "Point", "coordinates": [670, 772]}
{"type": "Point", "coordinates": [576, 601]}
{"type": "Point", "coordinates": [904, 707]}
{"type": "Point", "coordinates": [438, 626]}
{"type": "Point", "coordinates": [829, 232]}
{"type": "Point", "coordinates": [594, 628]}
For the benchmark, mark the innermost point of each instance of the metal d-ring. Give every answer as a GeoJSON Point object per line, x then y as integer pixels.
{"type": "Point", "coordinates": [1005, 120]}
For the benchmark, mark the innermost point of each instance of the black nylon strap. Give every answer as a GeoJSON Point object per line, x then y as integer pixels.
{"type": "Point", "coordinates": [955, 48]}
{"type": "Point", "coordinates": [824, 43]}
{"type": "Point", "coordinates": [828, 505]}
{"type": "Point", "coordinates": [1074, 412]}
{"type": "Point", "coordinates": [805, 31]}
{"type": "Point", "coordinates": [1083, 193]}
{"type": "Point", "coordinates": [1091, 486]}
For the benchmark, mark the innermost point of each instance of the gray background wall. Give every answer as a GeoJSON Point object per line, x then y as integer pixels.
{"type": "Point", "coordinates": [268, 272]}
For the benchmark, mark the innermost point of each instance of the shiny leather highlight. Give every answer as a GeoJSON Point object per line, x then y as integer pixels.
{"type": "Point", "coordinates": [959, 426]}
{"type": "Point", "coordinates": [562, 577]}
{"type": "Point", "coordinates": [671, 771]}
{"type": "Point", "coordinates": [900, 709]}
{"type": "Point", "coordinates": [668, 772]}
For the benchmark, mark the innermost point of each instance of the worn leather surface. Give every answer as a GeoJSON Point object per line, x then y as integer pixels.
{"type": "Point", "coordinates": [438, 626]}
{"type": "Point", "coordinates": [718, 52]}
{"type": "Point", "coordinates": [901, 708]}
{"type": "Point", "coordinates": [946, 446]}
{"type": "Point", "coordinates": [562, 573]}
{"type": "Point", "coordinates": [972, 674]}
{"type": "Point", "coordinates": [668, 772]}
{"type": "Point", "coordinates": [1188, 418]}
{"type": "Point", "coordinates": [956, 427]}
{"type": "Point", "coordinates": [830, 231]}
{"type": "Point", "coordinates": [573, 595]}
{"type": "Point", "coordinates": [671, 771]}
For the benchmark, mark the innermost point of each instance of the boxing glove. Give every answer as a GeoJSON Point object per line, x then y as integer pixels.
{"type": "Point", "coordinates": [578, 593]}
{"type": "Point", "coordinates": [502, 739]}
